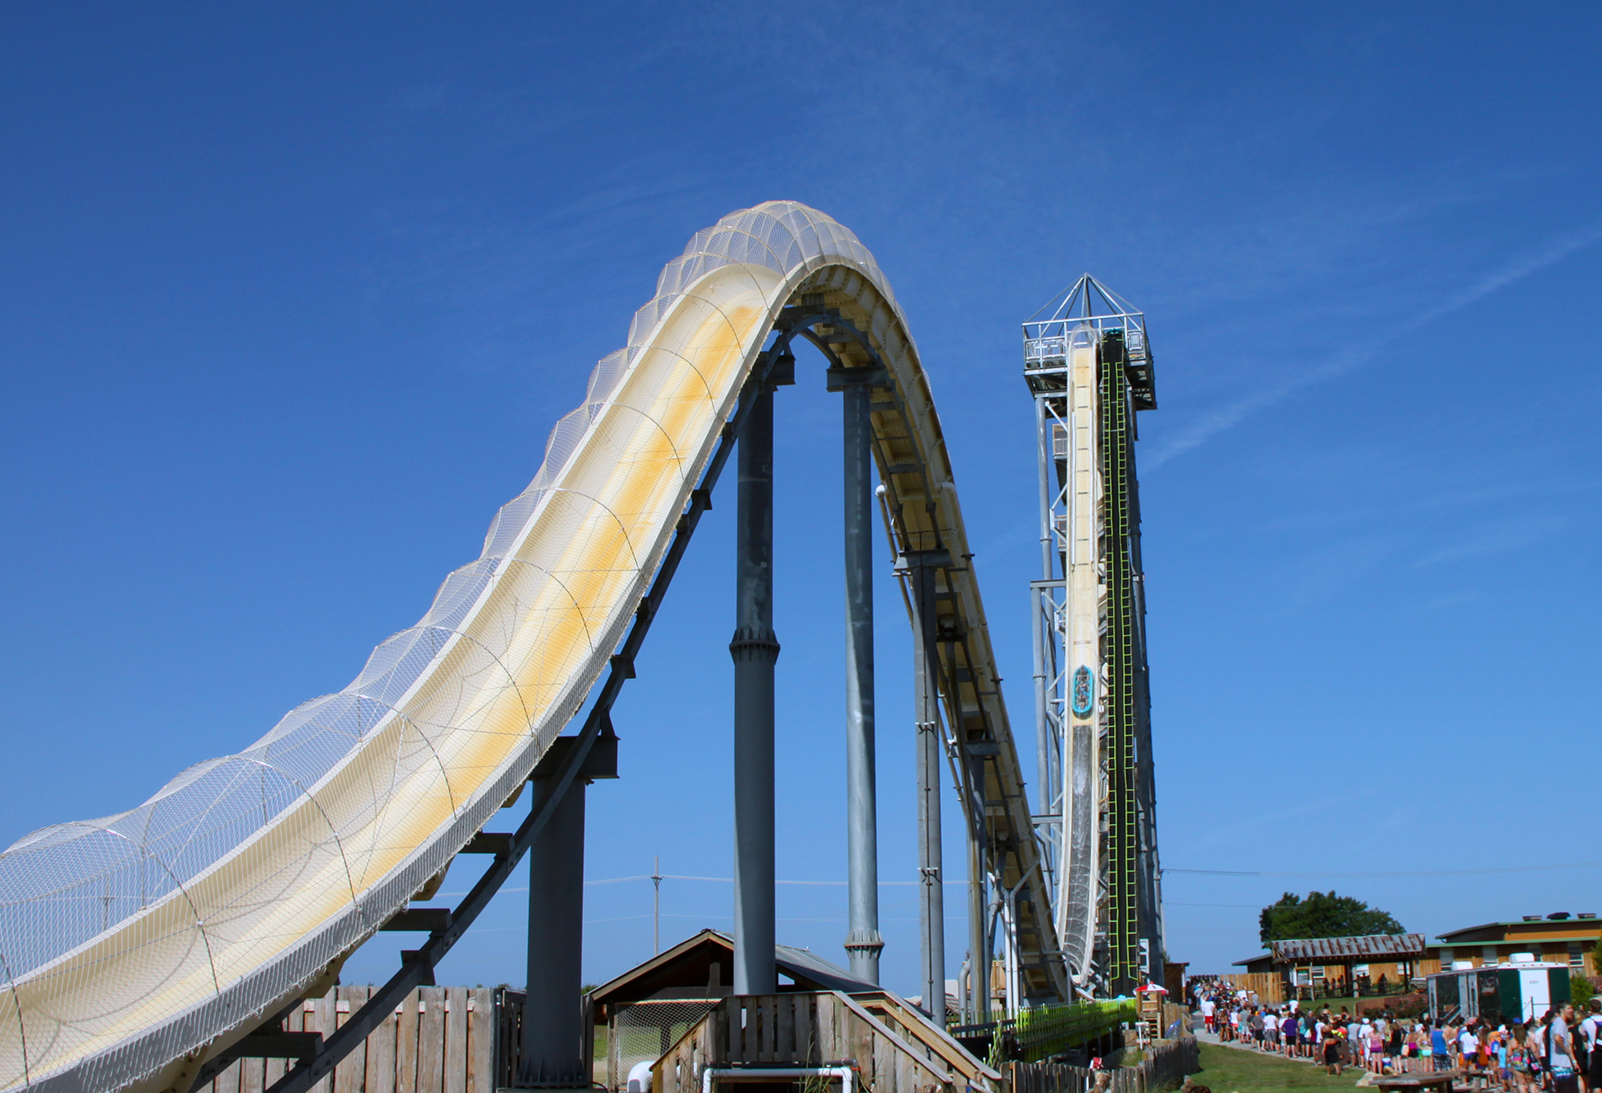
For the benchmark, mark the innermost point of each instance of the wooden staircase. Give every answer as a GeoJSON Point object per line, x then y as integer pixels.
{"type": "Point", "coordinates": [889, 1046]}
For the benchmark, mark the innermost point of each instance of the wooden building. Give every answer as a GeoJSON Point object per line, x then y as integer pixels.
{"type": "Point", "coordinates": [1311, 967]}
{"type": "Point", "coordinates": [1332, 965]}
{"type": "Point", "coordinates": [1558, 938]}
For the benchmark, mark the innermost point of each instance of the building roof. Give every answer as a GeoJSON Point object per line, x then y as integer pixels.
{"type": "Point", "coordinates": [1577, 929]}
{"type": "Point", "coordinates": [702, 966]}
{"type": "Point", "coordinates": [1338, 949]}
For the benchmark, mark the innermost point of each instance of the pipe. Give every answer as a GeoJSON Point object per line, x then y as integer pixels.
{"type": "Point", "coordinates": [844, 1073]}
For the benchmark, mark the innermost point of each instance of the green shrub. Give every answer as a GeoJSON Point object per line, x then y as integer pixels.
{"type": "Point", "coordinates": [1581, 991]}
{"type": "Point", "coordinates": [1411, 1005]}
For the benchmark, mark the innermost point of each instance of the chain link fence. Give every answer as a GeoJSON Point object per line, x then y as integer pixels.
{"type": "Point", "coordinates": [645, 1031]}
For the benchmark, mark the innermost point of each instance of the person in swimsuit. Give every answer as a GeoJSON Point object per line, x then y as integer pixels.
{"type": "Point", "coordinates": [1332, 1052]}
{"type": "Point", "coordinates": [1518, 1058]}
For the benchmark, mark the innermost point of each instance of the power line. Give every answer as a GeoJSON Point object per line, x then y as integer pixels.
{"type": "Point", "coordinates": [1402, 873]}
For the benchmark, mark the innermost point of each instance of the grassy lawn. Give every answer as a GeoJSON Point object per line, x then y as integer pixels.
{"type": "Point", "coordinates": [1228, 1070]}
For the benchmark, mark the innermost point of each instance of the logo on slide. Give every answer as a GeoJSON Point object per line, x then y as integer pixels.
{"type": "Point", "coordinates": [1084, 695]}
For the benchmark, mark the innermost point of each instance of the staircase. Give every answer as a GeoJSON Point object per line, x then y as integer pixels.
{"type": "Point", "coordinates": [813, 1040]}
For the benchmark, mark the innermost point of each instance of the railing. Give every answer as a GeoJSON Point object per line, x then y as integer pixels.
{"type": "Point", "coordinates": [802, 1030]}
{"type": "Point", "coordinates": [1039, 1032]}
{"type": "Point", "coordinates": [1164, 1066]}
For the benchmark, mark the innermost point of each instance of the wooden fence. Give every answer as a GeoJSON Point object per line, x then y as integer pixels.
{"type": "Point", "coordinates": [439, 1040]}
{"type": "Point", "coordinates": [1268, 987]}
{"type": "Point", "coordinates": [1164, 1066]}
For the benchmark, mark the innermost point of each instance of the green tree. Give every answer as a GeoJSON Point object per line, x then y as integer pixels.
{"type": "Point", "coordinates": [1580, 992]}
{"type": "Point", "coordinates": [1323, 914]}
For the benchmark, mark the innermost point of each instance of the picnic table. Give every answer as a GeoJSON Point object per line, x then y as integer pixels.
{"type": "Point", "coordinates": [1441, 1080]}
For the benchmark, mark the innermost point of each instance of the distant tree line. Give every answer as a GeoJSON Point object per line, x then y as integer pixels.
{"type": "Point", "coordinates": [1323, 914]}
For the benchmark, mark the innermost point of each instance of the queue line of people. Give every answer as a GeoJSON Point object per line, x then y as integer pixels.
{"type": "Point", "coordinates": [1556, 1054]}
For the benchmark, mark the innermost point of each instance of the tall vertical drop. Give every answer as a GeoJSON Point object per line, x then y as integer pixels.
{"type": "Point", "coordinates": [1088, 365]}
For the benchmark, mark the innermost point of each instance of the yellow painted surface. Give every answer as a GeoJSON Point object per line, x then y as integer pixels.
{"type": "Point", "coordinates": [458, 725]}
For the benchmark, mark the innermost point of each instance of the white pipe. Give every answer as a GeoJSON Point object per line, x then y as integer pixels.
{"type": "Point", "coordinates": [841, 1072]}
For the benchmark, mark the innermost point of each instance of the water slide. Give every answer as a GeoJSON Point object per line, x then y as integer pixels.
{"type": "Point", "coordinates": [135, 941]}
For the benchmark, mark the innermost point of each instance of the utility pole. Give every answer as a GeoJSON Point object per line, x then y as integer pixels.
{"type": "Point", "coordinates": [656, 906]}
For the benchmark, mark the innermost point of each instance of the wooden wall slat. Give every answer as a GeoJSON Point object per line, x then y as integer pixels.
{"type": "Point", "coordinates": [884, 1064]}
{"type": "Point", "coordinates": [321, 1019]}
{"type": "Point", "coordinates": [805, 1036]}
{"type": "Point", "coordinates": [787, 1007]}
{"type": "Point", "coordinates": [250, 1076]}
{"type": "Point", "coordinates": [406, 1045]}
{"type": "Point", "coordinates": [431, 1041]}
{"type": "Point", "coordinates": [228, 1080]}
{"type": "Point", "coordinates": [481, 1041]}
{"type": "Point", "coordinates": [351, 1073]}
{"type": "Point", "coordinates": [380, 1071]}
{"type": "Point", "coordinates": [455, 1040]}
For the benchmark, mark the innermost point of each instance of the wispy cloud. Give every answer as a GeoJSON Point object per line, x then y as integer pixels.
{"type": "Point", "coordinates": [1497, 537]}
{"type": "Point", "coordinates": [1357, 355]}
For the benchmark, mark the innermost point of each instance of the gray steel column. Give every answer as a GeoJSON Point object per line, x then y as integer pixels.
{"type": "Point", "coordinates": [932, 902]}
{"type": "Point", "coordinates": [1040, 597]}
{"type": "Point", "coordinates": [755, 648]}
{"type": "Point", "coordinates": [553, 1019]}
{"type": "Point", "coordinates": [862, 942]}
{"type": "Point", "coordinates": [978, 933]}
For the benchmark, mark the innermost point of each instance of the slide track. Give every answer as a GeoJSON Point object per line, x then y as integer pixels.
{"type": "Point", "coordinates": [132, 945]}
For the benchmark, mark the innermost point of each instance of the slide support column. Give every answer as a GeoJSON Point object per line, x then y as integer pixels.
{"type": "Point", "coordinates": [926, 699]}
{"type": "Point", "coordinates": [863, 941]}
{"type": "Point", "coordinates": [555, 1050]}
{"type": "Point", "coordinates": [755, 649]}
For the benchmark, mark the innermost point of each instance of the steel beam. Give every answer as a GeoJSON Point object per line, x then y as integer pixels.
{"type": "Point", "coordinates": [978, 903]}
{"type": "Point", "coordinates": [926, 698]}
{"type": "Point", "coordinates": [863, 941]}
{"type": "Point", "coordinates": [755, 649]}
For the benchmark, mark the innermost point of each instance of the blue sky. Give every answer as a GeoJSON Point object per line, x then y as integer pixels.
{"type": "Point", "coordinates": [292, 295]}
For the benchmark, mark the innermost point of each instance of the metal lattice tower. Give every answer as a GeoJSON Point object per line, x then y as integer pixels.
{"type": "Point", "coordinates": [1088, 365]}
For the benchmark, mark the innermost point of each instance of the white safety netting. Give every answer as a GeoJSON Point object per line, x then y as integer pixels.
{"type": "Point", "coordinates": [130, 940]}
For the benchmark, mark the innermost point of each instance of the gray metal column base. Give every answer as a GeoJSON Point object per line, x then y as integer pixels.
{"type": "Point", "coordinates": [556, 1044]}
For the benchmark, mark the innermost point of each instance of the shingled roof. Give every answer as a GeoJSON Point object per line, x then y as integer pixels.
{"type": "Point", "coordinates": [1340, 949]}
